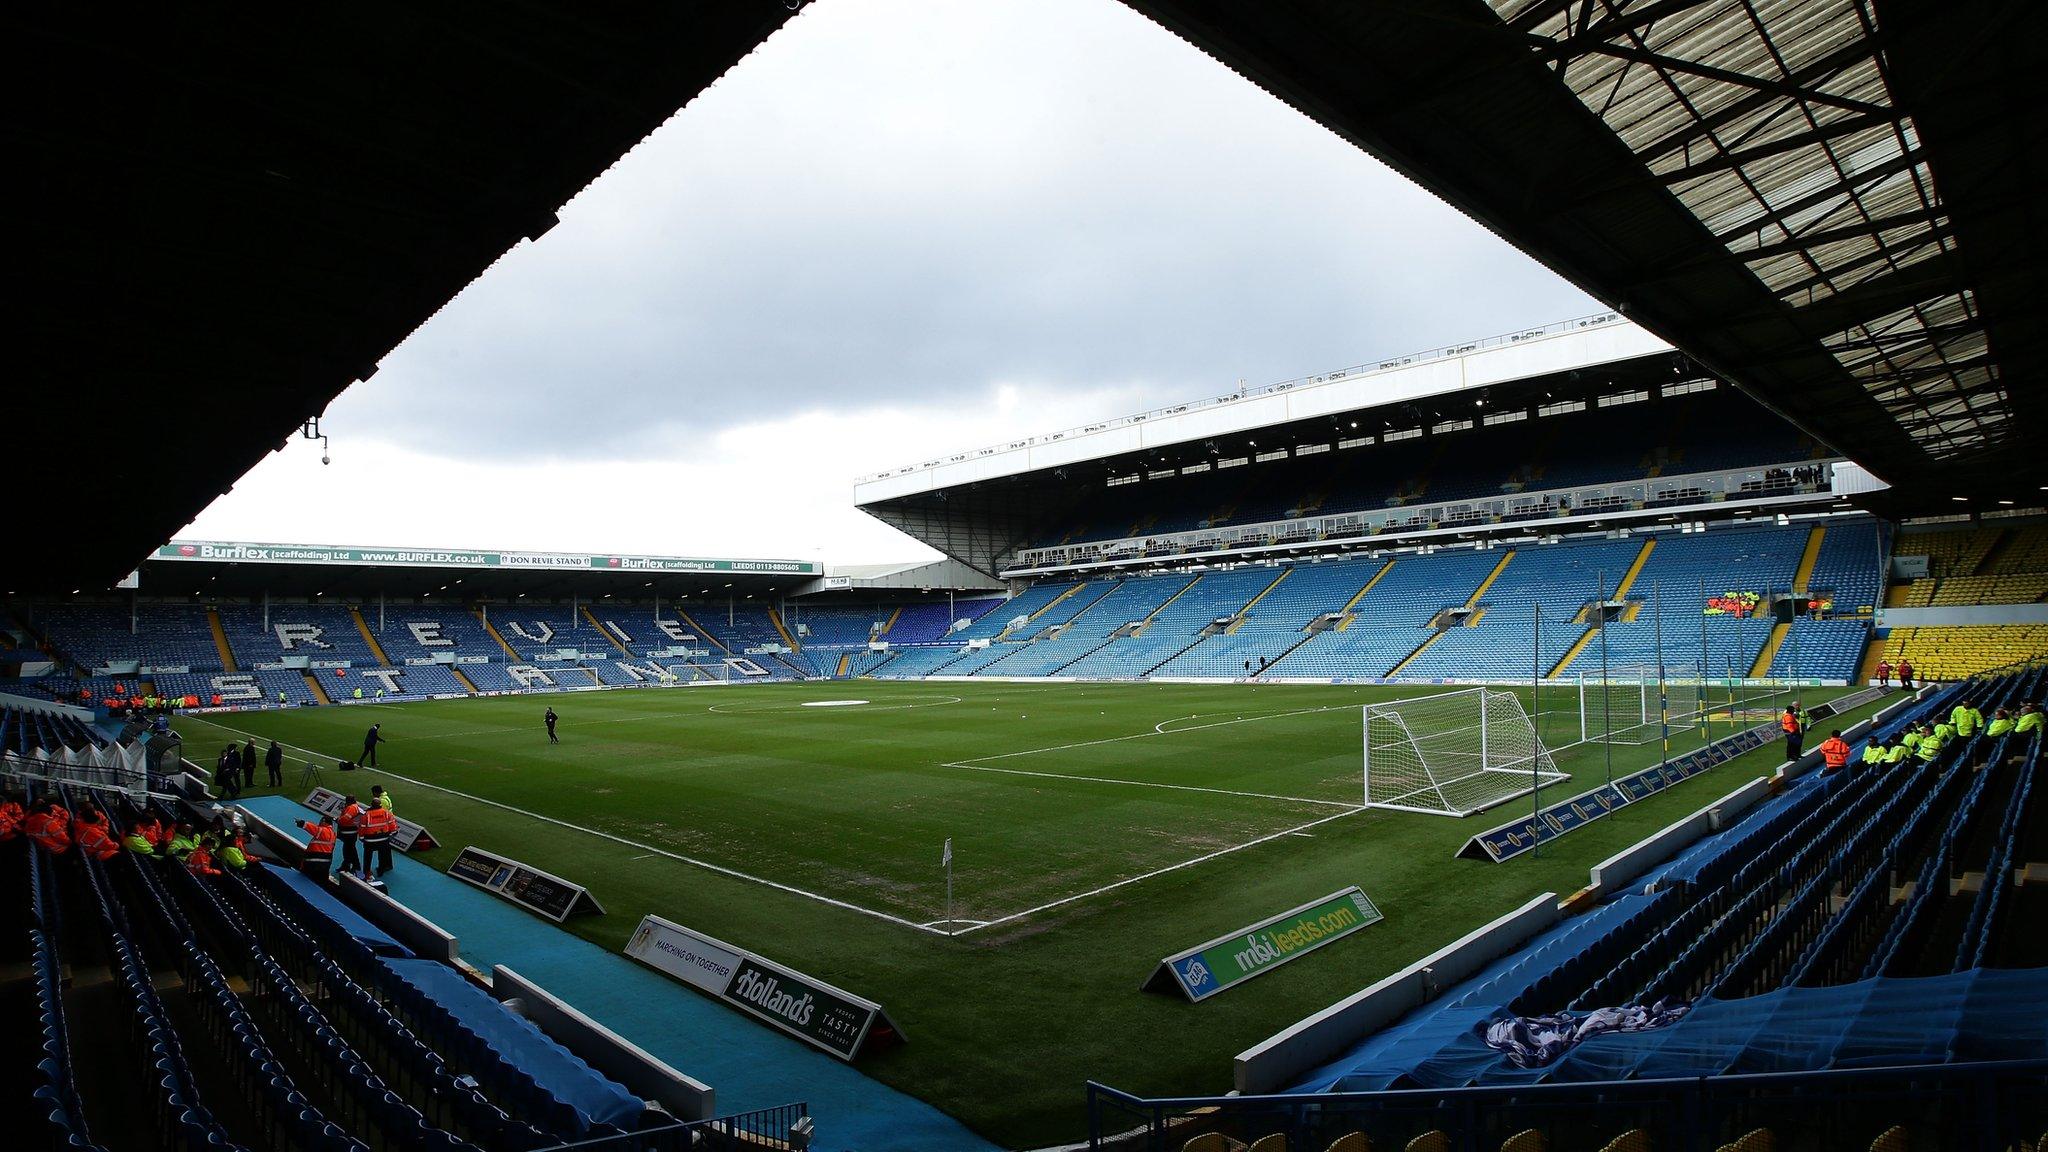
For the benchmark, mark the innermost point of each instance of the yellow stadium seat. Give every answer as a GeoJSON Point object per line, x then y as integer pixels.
{"type": "Point", "coordinates": [1634, 1140]}
{"type": "Point", "coordinates": [1527, 1140]}
{"type": "Point", "coordinates": [1892, 1139]}
{"type": "Point", "coordinates": [1429, 1142]}
{"type": "Point", "coordinates": [1351, 1142]}
{"type": "Point", "coordinates": [1759, 1140]}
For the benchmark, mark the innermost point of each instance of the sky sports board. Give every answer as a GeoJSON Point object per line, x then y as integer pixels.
{"type": "Point", "coordinates": [217, 551]}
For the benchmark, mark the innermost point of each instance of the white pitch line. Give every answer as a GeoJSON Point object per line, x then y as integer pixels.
{"type": "Point", "coordinates": [649, 848]}
{"type": "Point", "coordinates": [971, 766]}
{"type": "Point", "coordinates": [1352, 811]}
{"type": "Point", "coordinates": [1157, 732]}
{"type": "Point", "coordinates": [526, 728]}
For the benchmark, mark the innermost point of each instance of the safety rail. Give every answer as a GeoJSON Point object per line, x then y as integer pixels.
{"type": "Point", "coordinates": [1974, 1107]}
{"type": "Point", "coordinates": [1534, 510]}
{"type": "Point", "coordinates": [782, 1127]}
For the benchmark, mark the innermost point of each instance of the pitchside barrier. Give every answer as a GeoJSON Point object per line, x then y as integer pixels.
{"type": "Point", "coordinates": [809, 1009]}
{"type": "Point", "coordinates": [1278, 1060]}
{"type": "Point", "coordinates": [542, 893]}
{"type": "Point", "coordinates": [1206, 969]}
{"type": "Point", "coordinates": [1562, 816]}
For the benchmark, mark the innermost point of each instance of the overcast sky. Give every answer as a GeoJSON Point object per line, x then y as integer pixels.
{"type": "Point", "coordinates": [901, 228]}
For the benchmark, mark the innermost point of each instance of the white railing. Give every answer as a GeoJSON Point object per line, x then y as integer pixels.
{"type": "Point", "coordinates": [1557, 328]}
{"type": "Point", "coordinates": [1532, 508]}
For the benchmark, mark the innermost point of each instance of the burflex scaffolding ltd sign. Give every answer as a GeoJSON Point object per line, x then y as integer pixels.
{"type": "Point", "coordinates": [227, 552]}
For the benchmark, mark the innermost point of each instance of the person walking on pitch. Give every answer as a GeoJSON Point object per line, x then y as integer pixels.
{"type": "Point", "coordinates": [371, 739]}
{"type": "Point", "coordinates": [550, 718]}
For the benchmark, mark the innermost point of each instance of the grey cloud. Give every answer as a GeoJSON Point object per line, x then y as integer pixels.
{"type": "Point", "coordinates": [907, 203]}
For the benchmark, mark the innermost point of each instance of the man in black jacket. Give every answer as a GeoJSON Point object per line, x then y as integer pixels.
{"type": "Point", "coordinates": [371, 739]}
{"type": "Point", "coordinates": [274, 761]}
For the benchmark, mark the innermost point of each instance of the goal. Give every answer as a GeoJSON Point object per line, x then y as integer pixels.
{"type": "Point", "coordinates": [1637, 705]}
{"type": "Point", "coordinates": [1453, 754]}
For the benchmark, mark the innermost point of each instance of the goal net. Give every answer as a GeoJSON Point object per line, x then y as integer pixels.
{"type": "Point", "coordinates": [1637, 705]}
{"type": "Point", "coordinates": [1453, 754]}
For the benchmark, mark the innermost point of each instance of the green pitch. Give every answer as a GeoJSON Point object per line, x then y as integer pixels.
{"type": "Point", "coordinates": [1095, 829]}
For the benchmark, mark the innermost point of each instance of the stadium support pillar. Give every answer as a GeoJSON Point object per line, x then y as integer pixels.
{"type": "Point", "coordinates": [266, 609]}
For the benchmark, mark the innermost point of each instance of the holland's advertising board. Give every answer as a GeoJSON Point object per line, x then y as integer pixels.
{"type": "Point", "coordinates": [1206, 969]}
{"type": "Point", "coordinates": [807, 1008]}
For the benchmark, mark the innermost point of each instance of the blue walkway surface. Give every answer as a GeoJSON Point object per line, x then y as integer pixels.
{"type": "Point", "coordinates": [750, 1065]}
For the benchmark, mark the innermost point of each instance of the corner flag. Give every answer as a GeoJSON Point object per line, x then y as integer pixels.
{"type": "Point", "coordinates": [946, 857]}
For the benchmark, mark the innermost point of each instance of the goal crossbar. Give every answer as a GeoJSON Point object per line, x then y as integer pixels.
{"type": "Point", "coordinates": [1452, 753]}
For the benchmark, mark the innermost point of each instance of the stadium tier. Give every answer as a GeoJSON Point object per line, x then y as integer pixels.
{"type": "Point", "coordinates": [1599, 446]}
{"type": "Point", "coordinates": [1728, 600]}
{"type": "Point", "coordinates": [359, 1042]}
{"type": "Point", "coordinates": [1700, 601]}
{"type": "Point", "coordinates": [415, 633]}
{"type": "Point", "coordinates": [1972, 566]}
{"type": "Point", "coordinates": [151, 634]}
{"type": "Point", "coordinates": [1951, 653]}
{"type": "Point", "coordinates": [28, 731]}
{"type": "Point", "coordinates": [260, 636]}
{"type": "Point", "coordinates": [542, 629]}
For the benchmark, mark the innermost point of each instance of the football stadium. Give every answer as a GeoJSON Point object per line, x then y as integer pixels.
{"type": "Point", "coordinates": [1621, 734]}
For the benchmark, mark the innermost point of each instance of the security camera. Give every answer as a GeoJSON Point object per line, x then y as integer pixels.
{"type": "Point", "coordinates": [324, 459]}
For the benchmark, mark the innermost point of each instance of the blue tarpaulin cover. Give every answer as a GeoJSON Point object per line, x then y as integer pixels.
{"type": "Point", "coordinates": [325, 902]}
{"type": "Point", "coordinates": [1982, 1014]}
{"type": "Point", "coordinates": [1534, 1041]}
{"type": "Point", "coordinates": [556, 1070]}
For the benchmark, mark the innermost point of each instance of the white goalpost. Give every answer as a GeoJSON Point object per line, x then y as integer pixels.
{"type": "Point", "coordinates": [1636, 705]}
{"type": "Point", "coordinates": [1452, 754]}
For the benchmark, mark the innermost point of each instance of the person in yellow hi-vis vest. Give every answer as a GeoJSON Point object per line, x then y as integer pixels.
{"type": "Point", "coordinates": [1930, 745]}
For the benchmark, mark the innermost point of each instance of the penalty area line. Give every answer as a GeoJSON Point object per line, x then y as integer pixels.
{"type": "Point", "coordinates": [971, 766]}
{"type": "Point", "coordinates": [1156, 872]}
{"type": "Point", "coordinates": [651, 849]}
